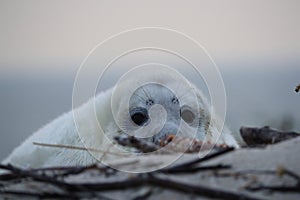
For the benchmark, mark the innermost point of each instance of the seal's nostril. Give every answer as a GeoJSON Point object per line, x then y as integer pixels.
{"type": "Point", "coordinates": [170, 137]}
{"type": "Point", "coordinates": [166, 140]}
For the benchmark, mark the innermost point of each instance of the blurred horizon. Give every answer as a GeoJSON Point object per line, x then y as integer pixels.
{"type": "Point", "coordinates": [254, 98]}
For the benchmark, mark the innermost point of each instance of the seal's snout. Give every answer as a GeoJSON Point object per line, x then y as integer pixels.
{"type": "Point", "coordinates": [169, 130]}
{"type": "Point", "coordinates": [167, 140]}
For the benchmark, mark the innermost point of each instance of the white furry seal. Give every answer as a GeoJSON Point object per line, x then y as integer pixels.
{"type": "Point", "coordinates": [123, 108]}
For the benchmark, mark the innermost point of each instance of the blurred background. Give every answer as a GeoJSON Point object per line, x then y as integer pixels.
{"type": "Point", "coordinates": [42, 44]}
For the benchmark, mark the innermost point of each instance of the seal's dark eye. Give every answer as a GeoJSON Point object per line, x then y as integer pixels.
{"type": "Point", "coordinates": [187, 115]}
{"type": "Point", "coordinates": [139, 116]}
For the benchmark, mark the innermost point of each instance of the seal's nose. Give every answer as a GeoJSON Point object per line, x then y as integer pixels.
{"type": "Point", "coordinates": [169, 130]}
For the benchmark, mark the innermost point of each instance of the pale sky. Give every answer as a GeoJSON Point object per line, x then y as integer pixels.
{"type": "Point", "coordinates": [57, 35]}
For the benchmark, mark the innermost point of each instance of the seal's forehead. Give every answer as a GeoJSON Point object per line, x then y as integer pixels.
{"type": "Point", "coordinates": [135, 88]}
{"type": "Point", "coordinates": [163, 77]}
{"type": "Point", "coordinates": [153, 93]}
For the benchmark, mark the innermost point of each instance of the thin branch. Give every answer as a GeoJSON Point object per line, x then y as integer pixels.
{"type": "Point", "coordinates": [76, 148]}
{"type": "Point", "coordinates": [289, 173]}
{"type": "Point", "coordinates": [38, 195]}
{"type": "Point", "coordinates": [194, 169]}
{"type": "Point", "coordinates": [31, 174]}
{"type": "Point", "coordinates": [49, 195]}
{"type": "Point", "coordinates": [200, 190]}
{"type": "Point", "coordinates": [198, 160]}
{"type": "Point", "coordinates": [275, 188]}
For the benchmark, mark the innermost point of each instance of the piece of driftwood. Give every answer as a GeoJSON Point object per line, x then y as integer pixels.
{"type": "Point", "coordinates": [221, 174]}
{"type": "Point", "coordinates": [297, 89]}
{"type": "Point", "coordinates": [265, 135]}
{"type": "Point", "coordinates": [55, 177]}
{"type": "Point", "coordinates": [188, 145]}
{"type": "Point", "coordinates": [169, 144]}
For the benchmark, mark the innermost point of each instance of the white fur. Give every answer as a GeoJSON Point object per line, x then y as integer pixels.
{"type": "Point", "coordinates": [64, 131]}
